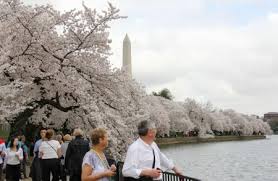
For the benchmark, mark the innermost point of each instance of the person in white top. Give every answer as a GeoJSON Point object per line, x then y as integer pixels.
{"type": "Point", "coordinates": [14, 155]}
{"type": "Point", "coordinates": [36, 171]}
{"type": "Point", "coordinates": [50, 152]}
{"type": "Point", "coordinates": [144, 161]}
{"type": "Point", "coordinates": [2, 156]}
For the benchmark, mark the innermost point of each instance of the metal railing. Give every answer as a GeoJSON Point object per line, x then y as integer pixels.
{"type": "Point", "coordinates": [166, 176]}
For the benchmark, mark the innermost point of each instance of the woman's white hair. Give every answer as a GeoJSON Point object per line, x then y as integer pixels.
{"type": "Point", "coordinates": [78, 132]}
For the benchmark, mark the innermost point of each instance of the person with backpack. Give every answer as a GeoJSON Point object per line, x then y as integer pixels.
{"type": "Point", "coordinates": [2, 156]}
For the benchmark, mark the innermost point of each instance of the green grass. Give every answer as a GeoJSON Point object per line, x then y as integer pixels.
{"type": "Point", "coordinates": [4, 134]}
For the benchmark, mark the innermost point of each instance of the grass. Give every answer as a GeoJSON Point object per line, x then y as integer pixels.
{"type": "Point", "coordinates": [4, 134]}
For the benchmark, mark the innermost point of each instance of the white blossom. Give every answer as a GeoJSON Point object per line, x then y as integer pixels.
{"type": "Point", "coordinates": [54, 72]}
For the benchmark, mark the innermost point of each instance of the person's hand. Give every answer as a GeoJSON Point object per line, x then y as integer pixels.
{"type": "Point", "coordinates": [2, 154]}
{"type": "Point", "coordinates": [17, 154]}
{"type": "Point", "coordinates": [154, 173]}
{"type": "Point", "coordinates": [113, 168]}
{"type": "Point", "coordinates": [40, 154]}
{"type": "Point", "coordinates": [177, 171]}
{"type": "Point", "coordinates": [109, 173]}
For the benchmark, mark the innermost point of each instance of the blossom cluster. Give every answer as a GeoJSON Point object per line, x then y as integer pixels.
{"type": "Point", "coordinates": [55, 72]}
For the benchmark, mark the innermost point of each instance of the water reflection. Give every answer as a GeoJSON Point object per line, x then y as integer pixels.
{"type": "Point", "coordinates": [228, 161]}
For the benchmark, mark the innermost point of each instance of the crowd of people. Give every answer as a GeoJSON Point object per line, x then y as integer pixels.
{"type": "Point", "coordinates": [76, 158]}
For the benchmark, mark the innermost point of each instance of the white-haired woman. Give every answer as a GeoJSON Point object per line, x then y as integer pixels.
{"type": "Point", "coordinates": [67, 138]}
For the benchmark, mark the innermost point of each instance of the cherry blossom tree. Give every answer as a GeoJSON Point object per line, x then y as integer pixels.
{"type": "Point", "coordinates": [158, 114]}
{"type": "Point", "coordinates": [198, 115]}
{"type": "Point", "coordinates": [55, 72]}
{"type": "Point", "coordinates": [206, 118]}
{"type": "Point", "coordinates": [179, 119]}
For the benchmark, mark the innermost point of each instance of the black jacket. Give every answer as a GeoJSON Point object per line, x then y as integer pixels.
{"type": "Point", "coordinates": [77, 148]}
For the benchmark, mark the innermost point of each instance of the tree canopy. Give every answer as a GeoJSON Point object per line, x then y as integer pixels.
{"type": "Point", "coordinates": [55, 73]}
{"type": "Point", "coordinates": [164, 93]}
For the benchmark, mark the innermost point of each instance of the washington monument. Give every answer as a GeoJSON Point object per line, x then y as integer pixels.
{"type": "Point", "coordinates": [127, 56]}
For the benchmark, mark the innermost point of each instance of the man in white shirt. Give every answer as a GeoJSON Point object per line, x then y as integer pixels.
{"type": "Point", "coordinates": [2, 156]}
{"type": "Point", "coordinates": [144, 158]}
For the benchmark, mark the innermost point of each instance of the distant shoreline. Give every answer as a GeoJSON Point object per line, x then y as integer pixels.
{"type": "Point", "coordinates": [186, 140]}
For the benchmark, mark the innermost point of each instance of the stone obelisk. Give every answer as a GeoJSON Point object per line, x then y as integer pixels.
{"type": "Point", "coordinates": [127, 56]}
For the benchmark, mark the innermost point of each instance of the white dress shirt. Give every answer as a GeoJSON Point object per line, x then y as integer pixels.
{"type": "Point", "coordinates": [140, 156]}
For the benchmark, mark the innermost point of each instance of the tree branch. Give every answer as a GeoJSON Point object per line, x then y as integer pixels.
{"type": "Point", "coordinates": [85, 38]}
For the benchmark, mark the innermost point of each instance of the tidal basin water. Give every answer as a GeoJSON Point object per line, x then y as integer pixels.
{"type": "Point", "coordinates": [228, 161]}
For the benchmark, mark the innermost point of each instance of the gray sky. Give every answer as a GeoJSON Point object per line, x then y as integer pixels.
{"type": "Point", "coordinates": [223, 51]}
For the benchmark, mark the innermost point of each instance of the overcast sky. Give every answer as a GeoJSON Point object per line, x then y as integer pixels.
{"type": "Point", "coordinates": [223, 51]}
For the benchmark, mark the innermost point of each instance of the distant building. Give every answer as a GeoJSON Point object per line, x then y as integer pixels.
{"type": "Point", "coordinates": [272, 119]}
{"type": "Point", "coordinates": [271, 116]}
